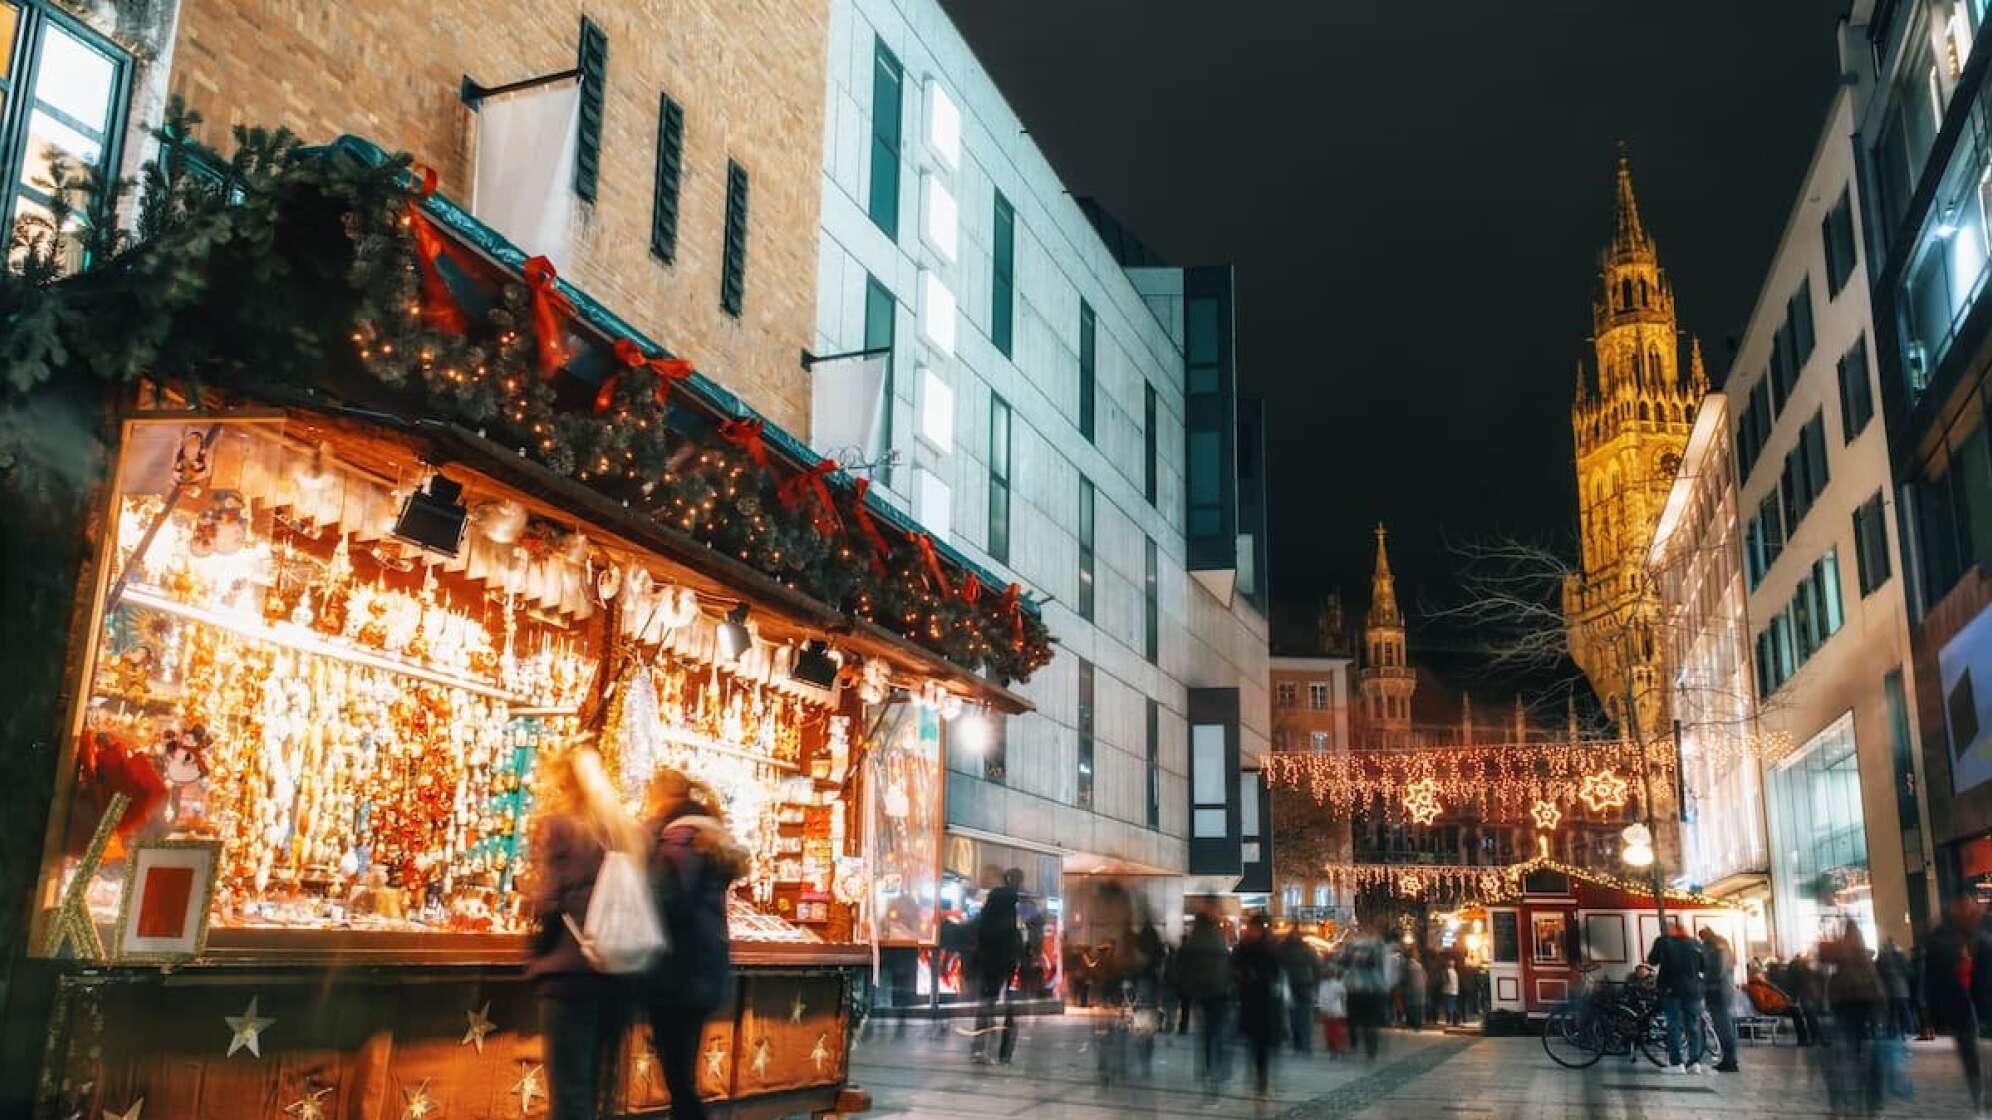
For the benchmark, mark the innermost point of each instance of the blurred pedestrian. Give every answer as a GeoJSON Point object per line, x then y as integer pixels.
{"type": "Point", "coordinates": [1719, 994]}
{"type": "Point", "coordinates": [1369, 987]}
{"type": "Point", "coordinates": [998, 947]}
{"type": "Point", "coordinates": [1333, 1001]}
{"type": "Point", "coordinates": [693, 862]}
{"type": "Point", "coordinates": [1679, 960]}
{"type": "Point", "coordinates": [1897, 978]}
{"type": "Point", "coordinates": [1255, 969]}
{"type": "Point", "coordinates": [1854, 993]}
{"type": "Point", "coordinates": [1302, 969]}
{"type": "Point", "coordinates": [1449, 992]}
{"type": "Point", "coordinates": [1205, 979]}
{"type": "Point", "coordinates": [1415, 989]}
{"type": "Point", "coordinates": [1807, 990]}
{"type": "Point", "coordinates": [1953, 981]}
{"type": "Point", "coordinates": [582, 1011]}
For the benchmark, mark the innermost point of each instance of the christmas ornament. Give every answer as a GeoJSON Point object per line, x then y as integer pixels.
{"type": "Point", "coordinates": [248, 1030]}
{"type": "Point", "coordinates": [1410, 885]}
{"type": "Point", "coordinates": [419, 1104]}
{"type": "Point", "coordinates": [821, 1053]}
{"type": "Point", "coordinates": [715, 1061]}
{"type": "Point", "coordinates": [480, 1025]}
{"type": "Point", "coordinates": [1604, 790]}
{"type": "Point", "coordinates": [528, 1086]}
{"type": "Point", "coordinates": [131, 1113]}
{"type": "Point", "coordinates": [1421, 801]}
{"type": "Point", "coordinates": [762, 1052]}
{"type": "Point", "coordinates": [1546, 815]}
{"type": "Point", "coordinates": [797, 1008]}
{"type": "Point", "coordinates": [311, 1106]}
{"type": "Point", "coordinates": [640, 1065]}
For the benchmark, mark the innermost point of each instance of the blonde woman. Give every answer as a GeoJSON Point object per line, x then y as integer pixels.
{"type": "Point", "coordinates": [694, 862]}
{"type": "Point", "coordinates": [582, 1012]}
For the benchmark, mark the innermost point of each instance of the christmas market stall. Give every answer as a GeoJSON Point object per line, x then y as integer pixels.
{"type": "Point", "coordinates": [348, 583]}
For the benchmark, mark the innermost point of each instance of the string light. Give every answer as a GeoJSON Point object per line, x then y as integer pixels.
{"type": "Point", "coordinates": [1421, 801]}
{"type": "Point", "coordinates": [1547, 815]}
{"type": "Point", "coordinates": [1500, 781]}
{"type": "Point", "coordinates": [1604, 790]}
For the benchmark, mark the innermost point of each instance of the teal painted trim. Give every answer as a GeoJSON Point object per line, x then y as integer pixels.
{"type": "Point", "coordinates": [465, 227]}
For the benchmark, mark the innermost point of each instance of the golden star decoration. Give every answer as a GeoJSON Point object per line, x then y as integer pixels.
{"type": "Point", "coordinates": [822, 1052]}
{"type": "Point", "coordinates": [762, 1052]}
{"type": "Point", "coordinates": [1410, 884]}
{"type": "Point", "coordinates": [797, 1008]}
{"type": "Point", "coordinates": [528, 1086]}
{"type": "Point", "coordinates": [715, 1059]}
{"type": "Point", "coordinates": [1547, 815]}
{"type": "Point", "coordinates": [420, 1105]}
{"type": "Point", "coordinates": [131, 1113]}
{"type": "Point", "coordinates": [639, 1067]}
{"type": "Point", "coordinates": [1421, 801]}
{"type": "Point", "coordinates": [480, 1025]}
{"type": "Point", "coordinates": [310, 1106]}
{"type": "Point", "coordinates": [1604, 790]}
{"type": "Point", "coordinates": [248, 1028]}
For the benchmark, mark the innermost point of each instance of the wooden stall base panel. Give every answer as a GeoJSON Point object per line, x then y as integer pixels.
{"type": "Point", "coordinates": [434, 1051]}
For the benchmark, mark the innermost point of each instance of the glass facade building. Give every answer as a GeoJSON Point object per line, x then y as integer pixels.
{"type": "Point", "coordinates": [1820, 861]}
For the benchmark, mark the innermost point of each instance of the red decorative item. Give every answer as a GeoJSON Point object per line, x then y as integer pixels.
{"type": "Point", "coordinates": [746, 435]}
{"type": "Point", "coordinates": [549, 307]}
{"type": "Point", "coordinates": [880, 550]}
{"type": "Point", "coordinates": [110, 763]}
{"type": "Point", "coordinates": [926, 545]}
{"type": "Point", "coordinates": [792, 492]}
{"type": "Point", "coordinates": [1013, 605]}
{"type": "Point", "coordinates": [971, 589]}
{"type": "Point", "coordinates": [668, 371]}
{"type": "Point", "coordinates": [439, 307]}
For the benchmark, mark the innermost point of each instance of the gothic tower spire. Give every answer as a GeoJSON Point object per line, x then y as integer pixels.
{"type": "Point", "coordinates": [1387, 680]}
{"type": "Point", "coordinates": [1628, 233]}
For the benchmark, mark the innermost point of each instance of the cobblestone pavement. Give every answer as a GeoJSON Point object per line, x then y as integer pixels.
{"type": "Point", "coordinates": [926, 1072]}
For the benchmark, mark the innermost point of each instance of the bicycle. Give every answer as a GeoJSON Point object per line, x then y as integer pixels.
{"type": "Point", "coordinates": [1653, 1038]}
{"type": "Point", "coordinates": [1607, 1019]}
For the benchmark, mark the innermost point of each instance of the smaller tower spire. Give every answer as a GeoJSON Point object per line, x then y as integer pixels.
{"type": "Point", "coordinates": [1383, 586]}
{"type": "Point", "coordinates": [1628, 232]}
{"type": "Point", "coordinates": [1570, 716]}
{"type": "Point", "coordinates": [1521, 720]}
{"type": "Point", "coordinates": [1466, 717]}
{"type": "Point", "coordinates": [1697, 372]}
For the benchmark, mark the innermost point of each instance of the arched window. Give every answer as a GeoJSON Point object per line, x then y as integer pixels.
{"type": "Point", "coordinates": [1643, 413]}
{"type": "Point", "coordinates": [1625, 294]}
{"type": "Point", "coordinates": [1674, 413]}
{"type": "Point", "coordinates": [1653, 361]}
{"type": "Point", "coordinates": [1642, 293]}
{"type": "Point", "coordinates": [1690, 414]}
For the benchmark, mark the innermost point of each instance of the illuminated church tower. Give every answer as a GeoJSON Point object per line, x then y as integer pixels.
{"type": "Point", "coordinates": [1387, 680]}
{"type": "Point", "coordinates": [1630, 419]}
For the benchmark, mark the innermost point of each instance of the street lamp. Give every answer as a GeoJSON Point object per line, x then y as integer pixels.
{"type": "Point", "coordinates": [1638, 850]}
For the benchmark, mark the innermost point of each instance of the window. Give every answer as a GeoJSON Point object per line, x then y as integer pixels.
{"type": "Point", "coordinates": [1085, 800]}
{"type": "Point", "coordinates": [881, 313]}
{"type": "Point", "coordinates": [1088, 329]}
{"type": "Point", "coordinates": [887, 82]}
{"type": "Point", "coordinates": [1871, 544]}
{"type": "Point", "coordinates": [1317, 696]}
{"type": "Point", "coordinates": [1086, 538]}
{"type": "Point", "coordinates": [1799, 311]}
{"type": "Point", "coordinates": [996, 756]}
{"type": "Point", "coordinates": [1837, 231]}
{"type": "Point", "coordinates": [1210, 815]}
{"type": "Point", "coordinates": [1002, 291]}
{"type": "Point", "coordinates": [1764, 539]}
{"type": "Point", "coordinates": [68, 93]}
{"type": "Point", "coordinates": [1753, 428]}
{"type": "Point", "coordinates": [999, 480]}
{"type": "Point", "coordinates": [1317, 741]}
{"type": "Point", "coordinates": [1148, 440]}
{"type": "Point", "coordinates": [1152, 616]}
{"type": "Point", "coordinates": [1154, 742]}
{"type": "Point", "coordinates": [1814, 614]}
{"type": "Point", "coordinates": [594, 68]}
{"type": "Point", "coordinates": [670, 172]}
{"type": "Point", "coordinates": [733, 267]}
{"type": "Point", "coordinates": [1286, 694]}
{"type": "Point", "coordinates": [1856, 396]}
{"type": "Point", "coordinates": [1805, 475]}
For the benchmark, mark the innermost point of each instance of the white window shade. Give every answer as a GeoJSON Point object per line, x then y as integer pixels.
{"type": "Point", "coordinates": [932, 503]}
{"type": "Point", "coordinates": [1209, 782]}
{"type": "Point", "coordinates": [943, 131]}
{"type": "Point", "coordinates": [937, 314]}
{"type": "Point", "coordinates": [525, 163]}
{"type": "Point", "coordinates": [940, 219]}
{"type": "Point", "coordinates": [934, 404]}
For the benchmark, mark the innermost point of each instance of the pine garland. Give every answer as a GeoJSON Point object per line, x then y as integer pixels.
{"type": "Point", "coordinates": [274, 266]}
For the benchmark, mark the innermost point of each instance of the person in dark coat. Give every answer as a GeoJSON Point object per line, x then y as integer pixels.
{"type": "Point", "coordinates": [1679, 960]}
{"type": "Point", "coordinates": [694, 862]}
{"type": "Point", "coordinates": [582, 1011]}
{"type": "Point", "coordinates": [1719, 993]}
{"type": "Point", "coordinates": [1808, 994]}
{"type": "Point", "coordinates": [1203, 975]}
{"type": "Point", "coordinates": [998, 946]}
{"type": "Point", "coordinates": [1954, 979]}
{"type": "Point", "coordinates": [1302, 968]}
{"type": "Point", "coordinates": [1255, 967]}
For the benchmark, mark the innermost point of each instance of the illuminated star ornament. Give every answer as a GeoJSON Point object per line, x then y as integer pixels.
{"type": "Point", "coordinates": [797, 1008]}
{"type": "Point", "coordinates": [128, 1114]}
{"type": "Point", "coordinates": [1410, 884]}
{"type": "Point", "coordinates": [420, 1105]}
{"type": "Point", "coordinates": [1421, 801]}
{"type": "Point", "coordinates": [822, 1052]}
{"type": "Point", "coordinates": [480, 1025]}
{"type": "Point", "coordinates": [528, 1086]}
{"type": "Point", "coordinates": [310, 1106]}
{"type": "Point", "coordinates": [1547, 815]}
{"type": "Point", "coordinates": [248, 1028]}
{"type": "Point", "coordinates": [639, 1068]}
{"type": "Point", "coordinates": [715, 1059]}
{"type": "Point", "coordinates": [1604, 790]}
{"type": "Point", "coordinates": [762, 1051]}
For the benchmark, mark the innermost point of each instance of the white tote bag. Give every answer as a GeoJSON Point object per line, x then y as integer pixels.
{"type": "Point", "coordinates": [622, 934]}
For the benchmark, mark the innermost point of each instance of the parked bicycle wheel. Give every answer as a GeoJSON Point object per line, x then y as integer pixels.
{"type": "Point", "coordinates": [1573, 1037]}
{"type": "Point", "coordinates": [1653, 1039]}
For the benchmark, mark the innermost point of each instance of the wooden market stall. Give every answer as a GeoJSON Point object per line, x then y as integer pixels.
{"type": "Point", "coordinates": [334, 630]}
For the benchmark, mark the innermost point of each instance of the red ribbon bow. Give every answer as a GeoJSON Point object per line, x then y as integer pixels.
{"type": "Point", "coordinates": [971, 589]}
{"type": "Point", "coordinates": [880, 550]}
{"type": "Point", "coordinates": [926, 544]}
{"type": "Point", "coordinates": [746, 435]}
{"type": "Point", "coordinates": [439, 307]}
{"type": "Point", "coordinates": [1013, 605]}
{"type": "Point", "coordinates": [548, 307]}
{"type": "Point", "coordinates": [811, 481]}
{"type": "Point", "coordinates": [667, 371]}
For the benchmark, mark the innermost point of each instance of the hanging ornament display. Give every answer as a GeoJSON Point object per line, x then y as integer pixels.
{"type": "Point", "coordinates": [529, 1087]}
{"type": "Point", "coordinates": [1497, 782]}
{"type": "Point", "coordinates": [417, 1104]}
{"type": "Point", "coordinates": [310, 1106]}
{"type": "Point", "coordinates": [1604, 790]}
{"type": "Point", "coordinates": [480, 1025]}
{"type": "Point", "coordinates": [132, 1113]}
{"type": "Point", "coordinates": [247, 1030]}
{"type": "Point", "coordinates": [1421, 801]}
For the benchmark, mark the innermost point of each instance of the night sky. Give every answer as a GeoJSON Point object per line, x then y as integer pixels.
{"type": "Point", "coordinates": [1414, 196]}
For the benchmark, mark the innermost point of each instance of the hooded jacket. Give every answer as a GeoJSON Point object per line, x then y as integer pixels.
{"type": "Point", "coordinates": [693, 864]}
